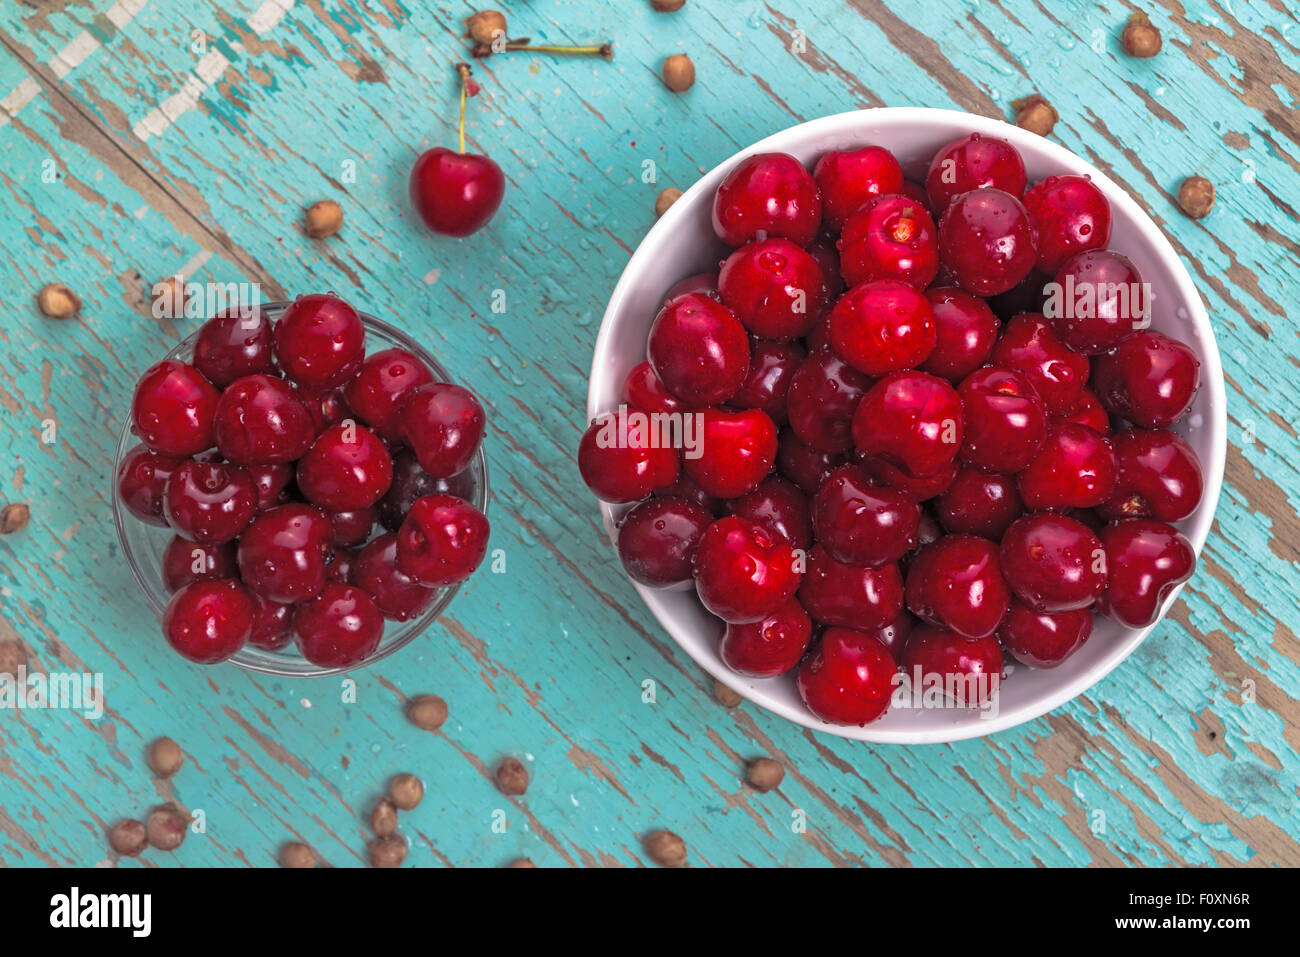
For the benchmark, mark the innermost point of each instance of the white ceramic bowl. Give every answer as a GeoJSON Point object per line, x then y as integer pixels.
{"type": "Point", "coordinates": [682, 243]}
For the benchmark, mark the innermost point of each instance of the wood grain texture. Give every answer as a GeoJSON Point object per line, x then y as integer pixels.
{"type": "Point", "coordinates": [129, 151]}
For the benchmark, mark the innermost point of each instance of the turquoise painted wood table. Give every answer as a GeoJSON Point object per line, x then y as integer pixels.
{"type": "Point", "coordinates": [144, 138]}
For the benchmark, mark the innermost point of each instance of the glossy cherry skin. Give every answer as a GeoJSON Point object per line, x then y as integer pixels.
{"type": "Point", "coordinates": [376, 573]}
{"type": "Point", "coordinates": [327, 406]}
{"type": "Point", "coordinates": [979, 503]}
{"type": "Point", "coordinates": [261, 420]}
{"type": "Point", "coordinates": [848, 179]}
{"type": "Point", "coordinates": [271, 483]}
{"type": "Point", "coordinates": [968, 669]}
{"type": "Point", "coordinates": [172, 409]}
{"type": "Point", "coordinates": [643, 390]}
{"type": "Point", "coordinates": [442, 540]}
{"type": "Point", "coordinates": [1043, 639]}
{"type": "Point", "coordinates": [140, 481]}
{"type": "Point", "coordinates": [1075, 468]}
{"type": "Point", "coordinates": [987, 240]}
{"type": "Point", "coordinates": [973, 162]}
{"type": "Point", "coordinates": [850, 596]}
{"type": "Point", "coordinates": [911, 420]}
{"type": "Point", "coordinates": [1058, 374]}
{"type": "Point", "coordinates": [209, 502]}
{"type": "Point", "coordinates": [689, 489]}
{"type": "Point", "coordinates": [780, 506]}
{"type": "Point", "coordinates": [340, 627]}
{"type": "Point", "coordinates": [1147, 559]}
{"type": "Point", "coordinates": [621, 461]}
{"type": "Point", "coordinates": [1159, 477]}
{"type": "Point", "coordinates": [771, 194]}
{"type": "Point", "coordinates": [773, 287]}
{"type": "Point", "coordinates": [319, 341]}
{"type": "Point", "coordinates": [861, 523]}
{"type": "Point", "coordinates": [848, 678]}
{"type": "Point", "coordinates": [340, 564]}
{"type": "Point", "coordinates": [1071, 215]}
{"type": "Point", "coordinates": [699, 350]}
{"type": "Point", "coordinates": [767, 648]}
{"type": "Point", "coordinates": [772, 366]}
{"type": "Point", "coordinates": [185, 561]}
{"type": "Point", "coordinates": [376, 393]}
{"type": "Point", "coordinates": [282, 553]}
{"type": "Point", "coordinates": [348, 467]}
{"type": "Point", "coordinates": [411, 482]}
{"type": "Point", "coordinates": [1096, 301]}
{"type": "Point", "coordinates": [1089, 412]}
{"type": "Point", "coordinates": [232, 344]}
{"type": "Point", "coordinates": [272, 624]}
{"type": "Point", "coordinates": [957, 583]}
{"type": "Point", "coordinates": [891, 237]}
{"type": "Point", "coordinates": [208, 621]}
{"type": "Point", "coordinates": [823, 395]}
{"type": "Point", "coordinates": [455, 194]}
{"type": "Point", "coordinates": [444, 424]}
{"type": "Point", "coordinates": [882, 326]}
{"type": "Point", "coordinates": [352, 527]}
{"type": "Point", "coordinates": [965, 331]}
{"type": "Point", "coordinates": [1053, 563]}
{"type": "Point", "coordinates": [895, 634]}
{"type": "Point", "coordinates": [705, 283]}
{"type": "Point", "coordinates": [919, 487]}
{"type": "Point", "coordinates": [828, 260]}
{"type": "Point", "coordinates": [657, 539]}
{"type": "Point", "coordinates": [1005, 420]}
{"type": "Point", "coordinates": [1149, 379]}
{"type": "Point", "coordinates": [1028, 295]}
{"type": "Point", "coordinates": [736, 450]}
{"type": "Point", "coordinates": [743, 572]}
{"type": "Point", "coordinates": [803, 465]}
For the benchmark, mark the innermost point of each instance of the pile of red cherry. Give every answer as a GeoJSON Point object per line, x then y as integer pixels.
{"type": "Point", "coordinates": [924, 470]}
{"type": "Point", "coordinates": [273, 456]}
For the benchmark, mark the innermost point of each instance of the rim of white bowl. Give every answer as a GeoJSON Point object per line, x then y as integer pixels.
{"type": "Point", "coordinates": [1196, 527]}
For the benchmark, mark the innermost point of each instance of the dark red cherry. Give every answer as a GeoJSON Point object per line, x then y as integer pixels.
{"type": "Point", "coordinates": [338, 628]}
{"type": "Point", "coordinates": [1075, 468]}
{"type": "Point", "coordinates": [185, 561]}
{"type": "Point", "coordinates": [1097, 300]}
{"type": "Point", "coordinates": [802, 464]}
{"type": "Point", "coordinates": [411, 482]}
{"type": "Point", "coordinates": [643, 390]}
{"type": "Point", "coordinates": [895, 634]}
{"type": "Point", "coordinates": [780, 506]}
{"type": "Point", "coordinates": [234, 343]}
{"type": "Point", "coordinates": [319, 341]}
{"type": "Point", "coordinates": [823, 395]}
{"type": "Point", "coordinates": [1028, 295]}
{"type": "Point", "coordinates": [861, 523]}
{"type": "Point", "coordinates": [828, 260]}
{"type": "Point", "coordinates": [1043, 639]}
{"type": "Point", "coordinates": [327, 407]}
{"type": "Point", "coordinates": [848, 678]}
{"type": "Point", "coordinates": [282, 553]}
{"type": "Point", "coordinates": [352, 527]}
{"type": "Point", "coordinates": [772, 366]}
{"type": "Point", "coordinates": [375, 394]}
{"type": "Point", "coordinates": [272, 483]}
{"type": "Point", "coordinates": [705, 283]}
{"type": "Point", "coordinates": [912, 420]}
{"type": "Point", "coordinates": [1148, 560]}
{"type": "Point", "coordinates": [340, 564]}
{"type": "Point", "coordinates": [980, 503]}
{"type": "Point", "coordinates": [735, 451]}
{"type": "Point", "coordinates": [209, 502]}
{"type": "Point", "coordinates": [140, 481]}
{"type": "Point", "coordinates": [1089, 412]}
{"type": "Point", "coordinates": [444, 424]}
{"type": "Point", "coordinates": [272, 624]}
{"type": "Point", "coordinates": [973, 162]}
{"type": "Point", "coordinates": [850, 595]}
{"type": "Point", "coordinates": [657, 539]}
{"type": "Point", "coordinates": [881, 327]}
{"type": "Point", "coordinates": [965, 330]}
{"type": "Point", "coordinates": [743, 572]}
{"type": "Point", "coordinates": [208, 621]}
{"type": "Point", "coordinates": [957, 583]}
{"type": "Point", "coordinates": [1071, 215]}
{"type": "Point", "coordinates": [919, 487]}
{"type": "Point", "coordinates": [699, 350]}
{"type": "Point", "coordinates": [767, 194]}
{"type": "Point", "coordinates": [1159, 477]}
{"type": "Point", "coordinates": [1005, 421]}
{"type": "Point", "coordinates": [1057, 373]}
{"type": "Point", "coordinates": [773, 287]}
{"type": "Point", "coordinates": [376, 573]}
{"type": "Point", "coordinates": [689, 489]}
{"type": "Point", "coordinates": [767, 648]}
{"type": "Point", "coordinates": [455, 194]}
{"type": "Point", "coordinates": [172, 409]}
{"type": "Point", "coordinates": [969, 670]}
{"type": "Point", "coordinates": [348, 467]}
{"type": "Point", "coordinates": [261, 420]}
{"type": "Point", "coordinates": [1149, 379]}
{"type": "Point", "coordinates": [621, 458]}
{"type": "Point", "coordinates": [891, 237]}
{"type": "Point", "coordinates": [1053, 563]}
{"type": "Point", "coordinates": [442, 540]}
{"type": "Point", "coordinates": [849, 178]}
{"type": "Point", "coordinates": [988, 242]}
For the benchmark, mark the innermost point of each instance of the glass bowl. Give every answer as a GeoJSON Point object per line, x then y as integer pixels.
{"type": "Point", "coordinates": [143, 544]}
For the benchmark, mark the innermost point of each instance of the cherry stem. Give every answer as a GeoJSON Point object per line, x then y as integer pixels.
{"type": "Point", "coordinates": [603, 50]}
{"type": "Point", "coordinates": [464, 71]}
